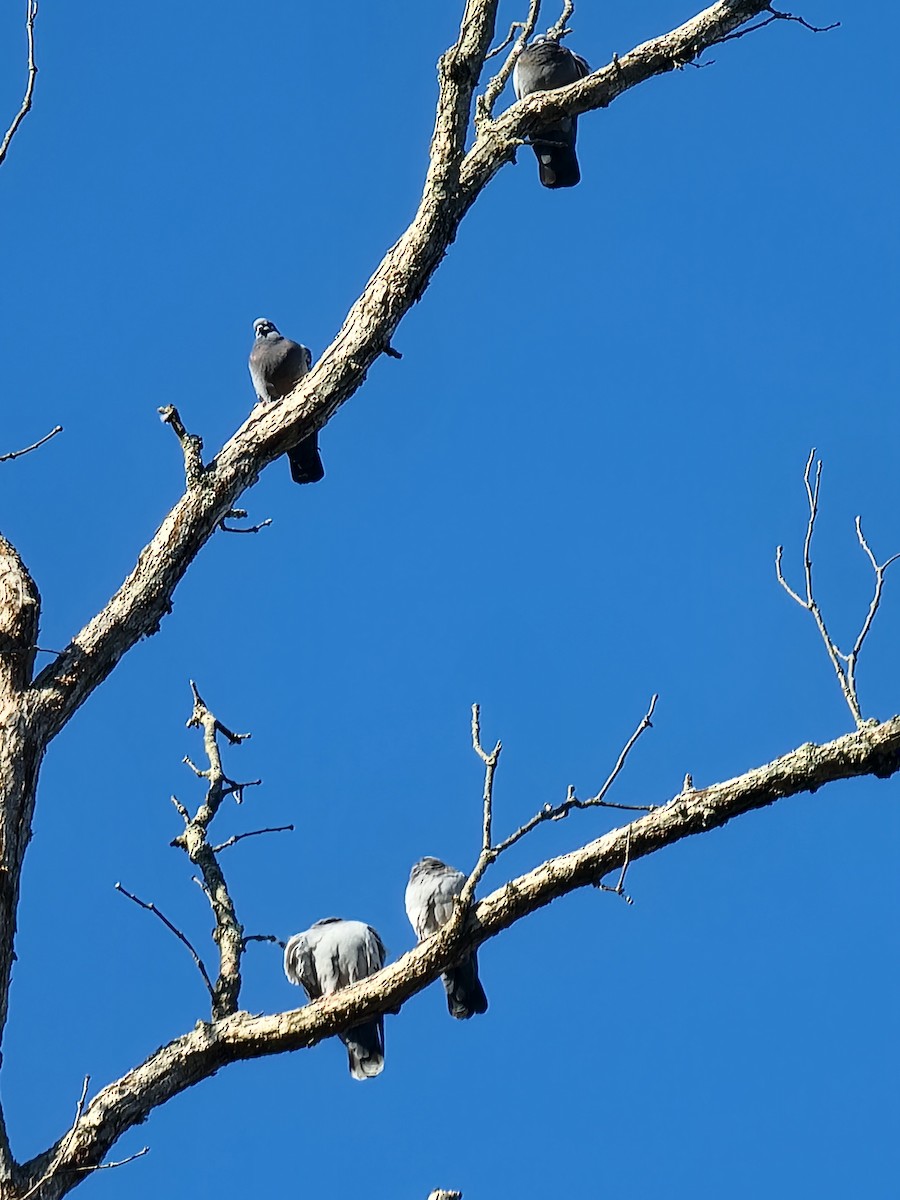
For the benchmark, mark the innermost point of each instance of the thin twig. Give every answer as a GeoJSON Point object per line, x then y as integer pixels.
{"type": "Point", "coordinates": [484, 104]}
{"type": "Point", "coordinates": [239, 837]}
{"type": "Point", "coordinates": [119, 1163]}
{"type": "Point", "coordinates": [619, 888]}
{"type": "Point", "coordinates": [237, 789]}
{"type": "Point", "coordinates": [392, 353]}
{"type": "Point", "coordinates": [31, 12]}
{"type": "Point", "coordinates": [879, 570]}
{"type": "Point", "coordinates": [34, 446]}
{"type": "Point", "coordinates": [557, 812]}
{"type": "Point", "coordinates": [776, 16]}
{"type": "Point", "coordinates": [181, 810]}
{"type": "Point", "coordinates": [509, 37]}
{"type": "Point", "coordinates": [263, 937]}
{"type": "Point", "coordinates": [63, 1149]}
{"type": "Point", "coordinates": [240, 514]}
{"type": "Point", "coordinates": [151, 907]}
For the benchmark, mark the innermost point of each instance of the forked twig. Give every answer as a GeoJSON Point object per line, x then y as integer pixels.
{"type": "Point", "coordinates": [484, 104]}
{"type": "Point", "coordinates": [776, 15]}
{"type": "Point", "coordinates": [844, 664]}
{"type": "Point", "coordinates": [487, 853]}
{"type": "Point", "coordinates": [556, 812]}
{"type": "Point", "coordinates": [194, 841]}
{"type": "Point", "coordinates": [509, 37]}
{"type": "Point", "coordinates": [560, 30]}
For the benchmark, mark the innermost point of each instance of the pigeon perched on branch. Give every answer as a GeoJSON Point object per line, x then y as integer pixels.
{"type": "Point", "coordinates": [542, 67]}
{"type": "Point", "coordinates": [276, 366]}
{"type": "Point", "coordinates": [329, 956]}
{"type": "Point", "coordinates": [430, 902]}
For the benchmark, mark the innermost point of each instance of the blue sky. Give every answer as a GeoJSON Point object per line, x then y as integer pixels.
{"type": "Point", "coordinates": [564, 498]}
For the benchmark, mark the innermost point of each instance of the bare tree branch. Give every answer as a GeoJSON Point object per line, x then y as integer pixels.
{"type": "Point", "coordinates": [264, 937]}
{"type": "Point", "coordinates": [64, 1145]}
{"type": "Point", "coordinates": [873, 750]}
{"type": "Point", "coordinates": [240, 514]}
{"type": "Point", "coordinates": [844, 664]}
{"type": "Point", "coordinates": [21, 752]}
{"type": "Point", "coordinates": [31, 12]}
{"type": "Point", "coordinates": [557, 812]}
{"type": "Point", "coordinates": [778, 16]}
{"type": "Point", "coordinates": [122, 1162]}
{"type": "Point", "coordinates": [561, 28]}
{"type": "Point", "coordinates": [191, 444]}
{"type": "Point", "coordinates": [484, 106]}
{"type": "Point", "coordinates": [151, 907]}
{"type": "Point", "coordinates": [453, 183]}
{"type": "Point", "coordinates": [229, 933]}
{"type": "Point", "coordinates": [34, 445]}
{"type": "Point", "coordinates": [39, 709]}
{"type": "Point", "coordinates": [619, 888]}
{"type": "Point", "coordinates": [239, 837]}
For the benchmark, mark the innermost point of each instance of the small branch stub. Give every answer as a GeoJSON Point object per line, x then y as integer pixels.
{"type": "Point", "coordinates": [191, 444]}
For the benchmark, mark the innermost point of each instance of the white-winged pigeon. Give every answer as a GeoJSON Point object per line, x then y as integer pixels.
{"type": "Point", "coordinates": [329, 956]}
{"type": "Point", "coordinates": [542, 67]}
{"type": "Point", "coordinates": [276, 365]}
{"type": "Point", "coordinates": [430, 901]}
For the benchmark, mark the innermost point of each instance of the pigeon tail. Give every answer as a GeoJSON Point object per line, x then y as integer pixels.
{"type": "Point", "coordinates": [557, 165]}
{"type": "Point", "coordinates": [305, 460]}
{"type": "Point", "coordinates": [365, 1049]}
{"type": "Point", "coordinates": [465, 995]}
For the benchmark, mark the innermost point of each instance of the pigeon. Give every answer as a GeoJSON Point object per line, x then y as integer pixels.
{"type": "Point", "coordinates": [330, 956]}
{"type": "Point", "coordinates": [542, 67]}
{"type": "Point", "coordinates": [430, 896]}
{"type": "Point", "coordinates": [276, 365]}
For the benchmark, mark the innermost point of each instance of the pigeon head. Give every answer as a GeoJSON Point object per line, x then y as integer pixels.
{"type": "Point", "coordinates": [263, 328]}
{"type": "Point", "coordinates": [427, 864]}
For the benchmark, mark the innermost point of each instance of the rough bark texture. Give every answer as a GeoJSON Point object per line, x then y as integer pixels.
{"type": "Point", "coordinates": [197, 1055]}
{"type": "Point", "coordinates": [452, 185]}
{"type": "Point", "coordinates": [33, 712]}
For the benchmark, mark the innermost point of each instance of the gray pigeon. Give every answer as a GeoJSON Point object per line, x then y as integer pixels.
{"type": "Point", "coordinates": [276, 365]}
{"type": "Point", "coordinates": [330, 956]}
{"type": "Point", "coordinates": [542, 67]}
{"type": "Point", "coordinates": [430, 895]}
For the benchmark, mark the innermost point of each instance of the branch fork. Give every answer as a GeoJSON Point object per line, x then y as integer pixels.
{"type": "Point", "coordinates": [844, 664]}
